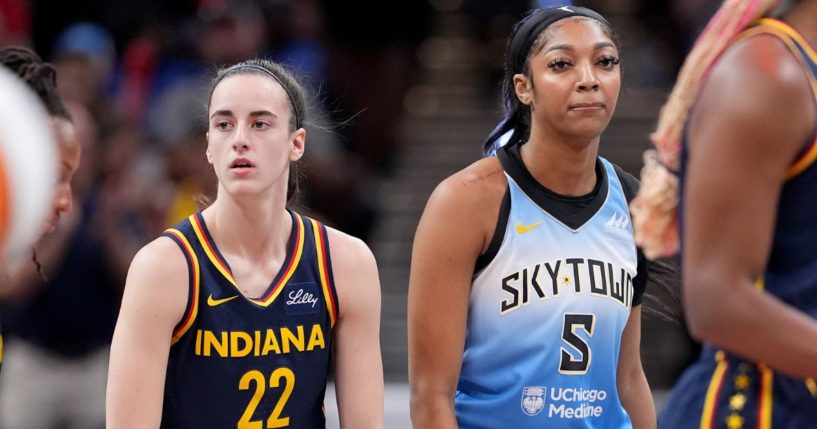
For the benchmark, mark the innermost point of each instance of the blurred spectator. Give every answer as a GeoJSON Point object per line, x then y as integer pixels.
{"type": "Point", "coordinates": [492, 21]}
{"type": "Point", "coordinates": [372, 65]}
{"type": "Point", "coordinates": [178, 124]}
{"type": "Point", "coordinates": [85, 59]}
{"type": "Point", "coordinates": [15, 23]}
{"type": "Point", "coordinates": [676, 23]}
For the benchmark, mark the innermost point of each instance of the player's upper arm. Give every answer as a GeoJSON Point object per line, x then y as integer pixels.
{"type": "Point", "coordinates": [358, 364]}
{"type": "Point", "coordinates": [754, 115]}
{"type": "Point", "coordinates": [154, 301]}
{"type": "Point", "coordinates": [455, 228]}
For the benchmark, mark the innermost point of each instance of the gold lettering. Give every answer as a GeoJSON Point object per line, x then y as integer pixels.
{"type": "Point", "coordinates": [198, 343]}
{"type": "Point", "coordinates": [210, 340]}
{"type": "Point", "coordinates": [270, 344]}
{"type": "Point", "coordinates": [235, 338]}
{"type": "Point", "coordinates": [316, 338]}
{"type": "Point", "coordinates": [239, 344]}
{"type": "Point", "coordinates": [287, 338]}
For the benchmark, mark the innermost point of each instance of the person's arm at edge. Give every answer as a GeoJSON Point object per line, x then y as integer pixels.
{"type": "Point", "coordinates": [633, 388]}
{"type": "Point", "coordinates": [358, 363]}
{"type": "Point", "coordinates": [446, 246]}
{"type": "Point", "coordinates": [154, 301]}
{"type": "Point", "coordinates": [746, 129]}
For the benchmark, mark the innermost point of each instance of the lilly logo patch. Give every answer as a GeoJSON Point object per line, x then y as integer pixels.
{"type": "Point", "coordinates": [302, 298]}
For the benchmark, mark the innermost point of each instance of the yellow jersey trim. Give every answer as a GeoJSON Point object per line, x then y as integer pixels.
{"type": "Point", "coordinates": [788, 35]}
{"type": "Point", "coordinates": [192, 312]}
{"type": "Point", "coordinates": [323, 269]}
{"type": "Point", "coordinates": [713, 391]}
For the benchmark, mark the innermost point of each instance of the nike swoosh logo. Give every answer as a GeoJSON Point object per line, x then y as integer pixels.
{"type": "Point", "coordinates": [525, 228]}
{"type": "Point", "coordinates": [214, 302]}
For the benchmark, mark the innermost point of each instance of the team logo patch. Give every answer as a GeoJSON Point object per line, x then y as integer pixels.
{"type": "Point", "coordinates": [617, 222]}
{"type": "Point", "coordinates": [521, 229]}
{"type": "Point", "coordinates": [533, 399]}
{"type": "Point", "coordinates": [302, 298]}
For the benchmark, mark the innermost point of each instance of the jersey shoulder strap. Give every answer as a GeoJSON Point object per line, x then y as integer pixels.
{"type": "Point", "coordinates": [628, 182]}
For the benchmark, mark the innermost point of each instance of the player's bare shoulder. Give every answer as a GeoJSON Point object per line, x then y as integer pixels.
{"type": "Point", "coordinates": [478, 188]}
{"type": "Point", "coordinates": [354, 270]}
{"type": "Point", "coordinates": [348, 251]}
{"type": "Point", "coordinates": [160, 262]}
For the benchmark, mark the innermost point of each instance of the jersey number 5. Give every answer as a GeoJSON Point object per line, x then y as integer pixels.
{"type": "Point", "coordinates": [572, 322]}
{"type": "Point", "coordinates": [275, 420]}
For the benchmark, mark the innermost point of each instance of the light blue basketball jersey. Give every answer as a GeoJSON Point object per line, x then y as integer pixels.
{"type": "Point", "coordinates": [546, 317]}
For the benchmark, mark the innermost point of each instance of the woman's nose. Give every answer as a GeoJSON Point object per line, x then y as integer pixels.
{"type": "Point", "coordinates": [588, 80]}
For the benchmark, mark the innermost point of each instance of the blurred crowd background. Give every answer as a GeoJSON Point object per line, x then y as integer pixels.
{"type": "Point", "coordinates": [402, 94]}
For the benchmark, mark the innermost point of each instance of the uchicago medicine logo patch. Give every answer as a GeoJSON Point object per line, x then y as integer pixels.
{"type": "Point", "coordinates": [533, 399]}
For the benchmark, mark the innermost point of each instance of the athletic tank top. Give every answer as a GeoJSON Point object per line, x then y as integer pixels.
{"type": "Point", "coordinates": [240, 362]}
{"type": "Point", "coordinates": [546, 314]}
{"type": "Point", "coordinates": [791, 272]}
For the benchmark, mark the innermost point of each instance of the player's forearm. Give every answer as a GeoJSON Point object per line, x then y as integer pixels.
{"type": "Point", "coordinates": [637, 400]}
{"type": "Point", "coordinates": [360, 400]}
{"type": "Point", "coordinates": [748, 313]}
{"type": "Point", "coordinates": [123, 411]}
{"type": "Point", "coordinates": [432, 411]}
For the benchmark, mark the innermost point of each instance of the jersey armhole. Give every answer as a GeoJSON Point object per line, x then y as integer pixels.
{"type": "Point", "coordinates": [800, 49]}
{"type": "Point", "coordinates": [640, 279]}
{"type": "Point", "coordinates": [499, 233]}
{"type": "Point", "coordinates": [324, 261]}
{"type": "Point", "coordinates": [193, 275]}
{"type": "Point", "coordinates": [630, 185]}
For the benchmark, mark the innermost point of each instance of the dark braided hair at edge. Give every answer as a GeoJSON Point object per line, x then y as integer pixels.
{"type": "Point", "coordinates": [42, 78]}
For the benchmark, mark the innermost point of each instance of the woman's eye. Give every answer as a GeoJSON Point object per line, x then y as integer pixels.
{"type": "Point", "coordinates": [559, 64]}
{"type": "Point", "coordinates": [222, 125]}
{"type": "Point", "coordinates": [609, 62]}
{"type": "Point", "coordinates": [259, 124]}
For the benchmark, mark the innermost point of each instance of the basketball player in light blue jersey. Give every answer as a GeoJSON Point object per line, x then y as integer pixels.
{"type": "Point", "coordinates": [526, 281]}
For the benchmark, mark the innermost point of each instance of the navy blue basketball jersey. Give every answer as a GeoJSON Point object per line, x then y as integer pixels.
{"type": "Point", "coordinates": [243, 363]}
{"type": "Point", "coordinates": [546, 314]}
{"type": "Point", "coordinates": [724, 391]}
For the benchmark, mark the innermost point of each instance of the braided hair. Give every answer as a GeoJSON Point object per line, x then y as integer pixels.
{"type": "Point", "coordinates": [40, 76]}
{"type": "Point", "coordinates": [654, 210]}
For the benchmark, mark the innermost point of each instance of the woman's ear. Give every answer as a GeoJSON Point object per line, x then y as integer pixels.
{"type": "Point", "coordinates": [297, 145]}
{"type": "Point", "coordinates": [207, 151]}
{"type": "Point", "coordinates": [522, 86]}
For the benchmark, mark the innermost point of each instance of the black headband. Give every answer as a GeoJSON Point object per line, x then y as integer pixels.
{"type": "Point", "coordinates": [240, 66]}
{"type": "Point", "coordinates": [529, 29]}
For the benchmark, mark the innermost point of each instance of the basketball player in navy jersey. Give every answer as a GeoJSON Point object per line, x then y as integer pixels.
{"type": "Point", "coordinates": [525, 281]}
{"type": "Point", "coordinates": [42, 79]}
{"type": "Point", "coordinates": [747, 174]}
{"type": "Point", "coordinates": [232, 318]}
